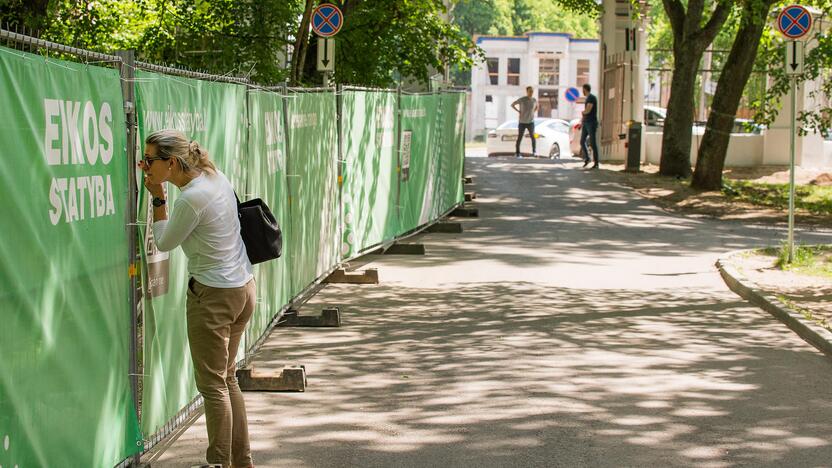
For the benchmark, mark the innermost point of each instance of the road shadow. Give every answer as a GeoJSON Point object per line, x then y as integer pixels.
{"type": "Point", "coordinates": [509, 375]}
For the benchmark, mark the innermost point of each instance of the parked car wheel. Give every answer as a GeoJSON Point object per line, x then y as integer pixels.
{"type": "Point", "coordinates": [554, 152]}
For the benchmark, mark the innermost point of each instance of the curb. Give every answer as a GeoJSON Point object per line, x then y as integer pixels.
{"type": "Point", "coordinates": [812, 333]}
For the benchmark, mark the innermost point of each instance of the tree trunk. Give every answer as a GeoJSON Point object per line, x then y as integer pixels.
{"type": "Point", "coordinates": [690, 39]}
{"type": "Point", "coordinates": [301, 42]}
{"type": "Point", "coordinates": [729, 89]}
{"type": "Point", "coordinates": [676, 136]}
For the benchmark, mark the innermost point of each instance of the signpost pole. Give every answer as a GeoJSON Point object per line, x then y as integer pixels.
{"type": "Point", "coordinates": [791, 173]}
{"type": "Point", "coordinates": [794, 22]}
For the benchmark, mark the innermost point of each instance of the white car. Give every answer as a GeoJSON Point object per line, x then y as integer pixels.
{"type": "Point", "coordinates": [552, 138]}
{"type": "Point", "coordinates": [575, 139]}
{"type": "Point", "coordinates": [653, 119]}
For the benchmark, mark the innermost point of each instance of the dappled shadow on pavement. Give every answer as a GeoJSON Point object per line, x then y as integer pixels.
{"type": "Point", "coordinates": [511, 376]}
{"type": "Point", "coordinates": [573, 324]}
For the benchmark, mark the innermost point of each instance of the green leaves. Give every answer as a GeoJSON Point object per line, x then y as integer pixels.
{"type": "Point", "coordinates": [383, 40]}
{"type": "Point", "coordinates": [516, 17]}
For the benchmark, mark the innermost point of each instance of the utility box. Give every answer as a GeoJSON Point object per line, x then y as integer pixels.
{"type": "Point", "coordinates": [634, 147]}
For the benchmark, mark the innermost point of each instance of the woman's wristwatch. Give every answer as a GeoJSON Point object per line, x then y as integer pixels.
{"type": "Point", "coordinates": [157, 202]}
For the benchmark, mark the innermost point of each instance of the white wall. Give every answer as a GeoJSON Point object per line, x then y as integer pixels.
{"type": "Point", "coordinates": [743, 149]}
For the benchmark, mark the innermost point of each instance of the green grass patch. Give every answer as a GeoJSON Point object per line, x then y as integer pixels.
{"type": "Point", "coordinates": [814, 260]}
{"type": "Point", "coordinates": [813, 198]}
{"type": "Point", "coordinates": [805, 312]}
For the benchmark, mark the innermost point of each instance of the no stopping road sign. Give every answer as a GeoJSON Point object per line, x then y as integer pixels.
{"type": "Point", "coordinates": [794, 21]}
{"type": "Point", "coordinates": [327, 20]}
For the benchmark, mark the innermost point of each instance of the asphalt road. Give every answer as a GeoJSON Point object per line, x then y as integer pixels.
{"type": "Point", "coordinates": [573, 324]}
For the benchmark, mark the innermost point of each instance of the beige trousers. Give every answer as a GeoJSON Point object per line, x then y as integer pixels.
{"type": "Point", "coordinates": [217, 318]}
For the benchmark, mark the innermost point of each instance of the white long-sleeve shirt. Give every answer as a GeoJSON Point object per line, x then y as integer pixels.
{"type": "Point", "coordinates": [203, 220]}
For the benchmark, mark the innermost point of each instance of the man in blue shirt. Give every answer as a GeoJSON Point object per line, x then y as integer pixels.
{"type": "Point", "coordinates": [589, 125]}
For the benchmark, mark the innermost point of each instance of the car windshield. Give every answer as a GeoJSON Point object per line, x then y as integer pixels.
{"type": "Point", "coordinates": [559, 126]}
{"type": "Point", "coordinates": [654, 116]}
{"type": "Point", "coordinates": [509, 124]}
{"type": "Point", "coordinates": [745, 126]}
{"type": "Point", "coordinates": [660, 112]}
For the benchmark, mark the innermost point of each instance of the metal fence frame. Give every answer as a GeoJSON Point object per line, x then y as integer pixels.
{"type": "Point", "coordinates": [127, 65]}
{"type": "Point", "coordinates": [706, 72]}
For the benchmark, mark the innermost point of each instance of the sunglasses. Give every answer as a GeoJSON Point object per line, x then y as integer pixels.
{"type": "Point", "coordinates": [147, 161]}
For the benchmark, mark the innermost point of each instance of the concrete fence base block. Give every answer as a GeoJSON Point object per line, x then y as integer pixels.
{"type": "Point", "coordinates": [405, 249]}
{"type": "Point", "coordinates": [445, 228]}
{"type": "Point", "coordinates": [463, 212]}
{"type": "Point", "coordinates": [342, 276]}
{"type": "Point", "coordinates": [330, 317]}
{"type": "Point", "coordinates": [470, 196]}
{"type": "Point", "coordinates": [289, 379]}
{"type": "Point", "coordinates": [468, 179]}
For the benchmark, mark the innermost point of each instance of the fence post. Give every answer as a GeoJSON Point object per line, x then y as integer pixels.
{"type": "Point", "coordinates": [127, 72]}
{"type": "Point", "coordinates": [284, 96]}
{"type": "Point", "coordinates": [399, 168]}
{"type": "Point", "coordinates": [339, 117]}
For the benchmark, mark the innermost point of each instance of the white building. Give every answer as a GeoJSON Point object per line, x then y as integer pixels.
{"type": "Point", "coordinates": [549, 62]}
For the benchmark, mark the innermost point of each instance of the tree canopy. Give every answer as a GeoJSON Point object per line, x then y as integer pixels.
{"type": "Point", "coordinates": [516, 17]}
{"type": "Point", "coordinates": [380, 40]}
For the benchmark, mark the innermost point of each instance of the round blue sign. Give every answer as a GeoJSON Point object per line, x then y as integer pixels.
{"type": "Point", "coordinates": [572, 94]}
{"type": "Point", "coordinates": [327, 20]}
{"type": "Point", "coordinates": [794, 21]}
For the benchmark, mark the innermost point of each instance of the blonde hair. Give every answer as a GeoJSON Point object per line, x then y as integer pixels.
{"type": "Point", "coordinates": [173, 144]}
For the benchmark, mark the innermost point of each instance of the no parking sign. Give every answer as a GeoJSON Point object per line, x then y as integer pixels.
{"type": "Point", "coordinates": [572, 94]}
{"type": "Point", "coordinates": [327, 20]}
{"type": "Point", "coordinates": [794, 21]}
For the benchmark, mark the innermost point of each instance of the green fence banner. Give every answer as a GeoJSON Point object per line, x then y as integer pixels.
{"type": "Point", "coordinates": [65, 397]}
{"type": "Point", "coordinates": [420, 166]}
{"type": "Point", "coordinates": [453, 150]}
{"type": "Point", "coordinates": [213, 114]}
{"type": "Point", "coordinates": [267, 180]}
{"type": "Point", "coordinates": [312, 173]}
{"type": "Point", "coordinates": [370, 170]}
{"type": "Point", "coordinates": [65, 388]}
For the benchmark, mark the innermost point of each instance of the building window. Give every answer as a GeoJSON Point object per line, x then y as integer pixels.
{"type": "Point", "coordinates": [547, 100]}
{"type": "Point", "coordinates": [493, 70]}
{"type": "Point", "coordinates": [514, 72]}
{"type": "Point", "coordinates": [582, 77]}
{"type": "Point", "coordinates": [549, 74]}
{"type": "Point", "coordinates": [488, 98]}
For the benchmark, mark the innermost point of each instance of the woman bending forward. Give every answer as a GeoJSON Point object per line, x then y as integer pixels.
{"type": "Point", "coordinates": [221, 296]}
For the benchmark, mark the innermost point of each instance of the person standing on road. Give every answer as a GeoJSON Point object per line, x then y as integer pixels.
{"type": "Point", "coordinates": [526, 106]}
{"type": "Point", "coordinates": [221, 294]}
{"type": "Point", "coordinates": [589, 126]}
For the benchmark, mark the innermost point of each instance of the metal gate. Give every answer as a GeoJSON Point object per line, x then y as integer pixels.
{"type": "Point", "coordinates": [612, 111]}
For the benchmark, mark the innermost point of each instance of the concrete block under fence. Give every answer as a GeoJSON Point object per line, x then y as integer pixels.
{"type": "Point", "coordinates": [288, 379]}
{"type": "Point", "coordinates": [329, 317]}
{"type": "Point", "coordinates": [342, 276]}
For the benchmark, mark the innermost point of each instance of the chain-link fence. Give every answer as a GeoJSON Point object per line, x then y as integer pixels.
{"type": "Point", "coordinates": [96, 368]}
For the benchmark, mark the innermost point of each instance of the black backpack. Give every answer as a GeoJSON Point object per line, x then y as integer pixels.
{"type": "Point", "coordinates": [259, 230]}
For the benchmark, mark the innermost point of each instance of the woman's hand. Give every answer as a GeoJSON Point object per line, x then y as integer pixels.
{"type": "Point", "coordinates": [157, 190]}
